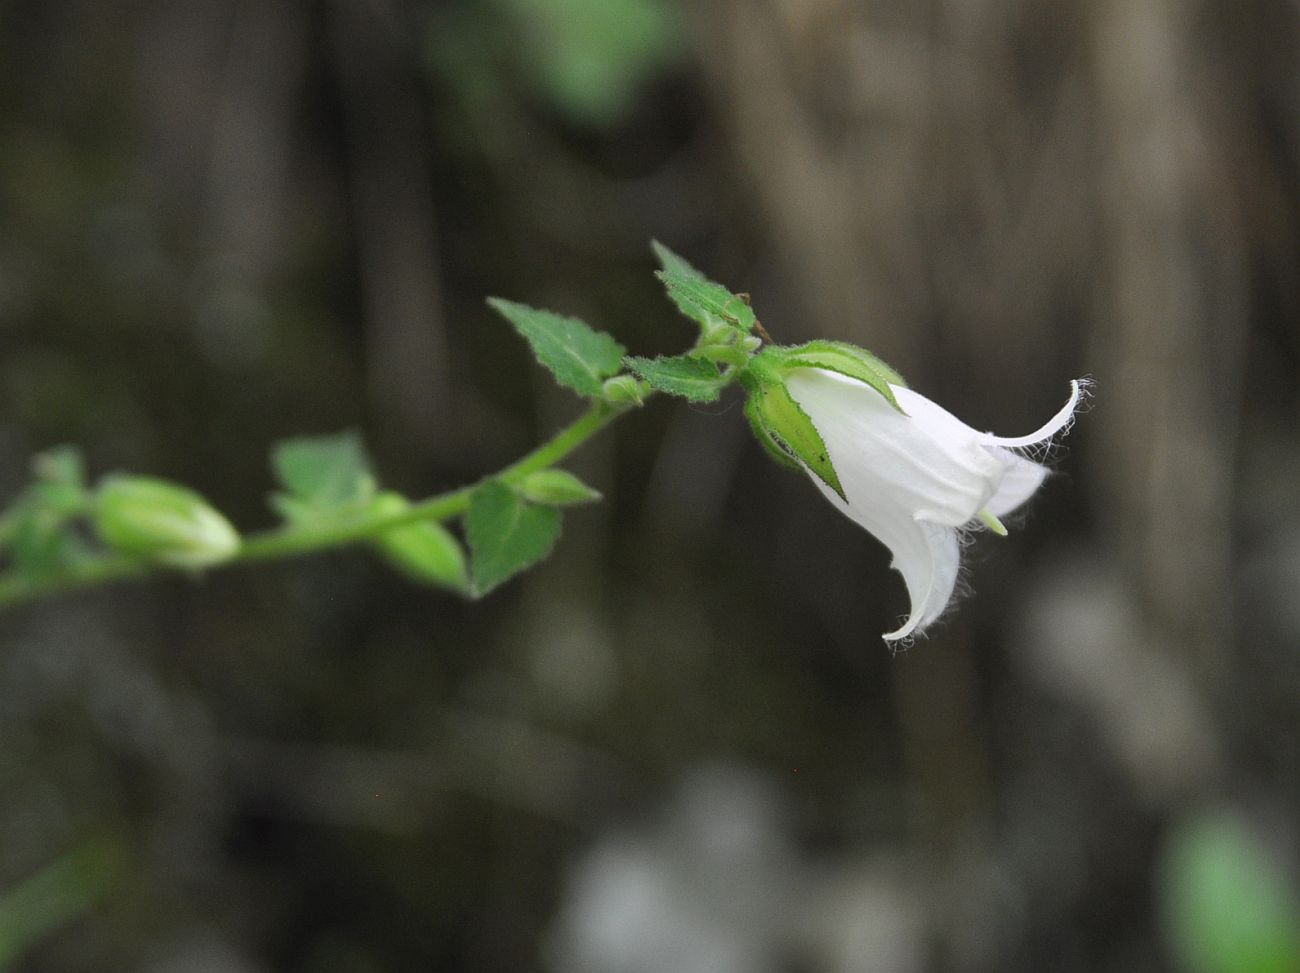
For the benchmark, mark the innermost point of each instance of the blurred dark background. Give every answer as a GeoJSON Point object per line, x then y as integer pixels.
{"type": "Point", "coordinates": [679, 746]}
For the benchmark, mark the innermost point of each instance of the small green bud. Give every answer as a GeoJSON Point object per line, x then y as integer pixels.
{"type": "Point", "coordinates": [162, 522]}
{"type": "Point", "coordinates": [556, 488]}
{"type": "Point", "coordinates": [423, 550]}
{"type": "Point", "coordinates": [623, 388]}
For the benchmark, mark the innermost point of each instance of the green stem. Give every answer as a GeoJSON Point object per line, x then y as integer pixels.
{"type": "Point", "coordinates": [294, 540]}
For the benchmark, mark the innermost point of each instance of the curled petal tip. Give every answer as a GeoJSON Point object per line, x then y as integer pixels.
{"type": "Point", "coordinates": [1058, 423]}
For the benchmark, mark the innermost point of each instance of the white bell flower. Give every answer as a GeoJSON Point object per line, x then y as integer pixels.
{"type": "Point", "coordinates": [916, 478]}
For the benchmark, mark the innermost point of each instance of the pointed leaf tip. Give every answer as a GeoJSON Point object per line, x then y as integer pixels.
{"type": "Point", "coordinates": [579, 357]}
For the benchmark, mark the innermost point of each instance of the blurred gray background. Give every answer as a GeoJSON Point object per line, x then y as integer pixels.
{"type": "Point", "coordinates": [679, 746]}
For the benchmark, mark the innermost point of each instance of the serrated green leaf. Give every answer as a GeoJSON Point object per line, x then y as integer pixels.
{"type": "Point", "coordinates": [322, 475]}
{"type": "Point", "coordinates": [579, 357]}
{"type": "Point", "coordinates": [690, 377]}
{"type": "Point", "coordinates": [506, 534]}
{"type": "Point", "coordinates": [424, 551]}
{"type": "Point", "coordinates": [708, 304]}
{"type": "Point", "coordinates": [1227, 903]}
{"type": "Point", "coordinates": [781, 417]}
{"type": "Point", "coordinates": [846, 359]}
{"type": "Point", "coordinates": [556, 488]}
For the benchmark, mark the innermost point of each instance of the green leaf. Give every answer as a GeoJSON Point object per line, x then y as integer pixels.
{"type": "Point", "coordinates": [506, 534]}
{"type": "Point", "coordinates": [579, 358]}
{"type": "Point", "coordinates": [40, 541]}
{"type": "Point", "coordinates": [36, 529]}
{"type": "Point", "coordinates": [783, 422]}
{"type": "Point", "coordinates": [690, 377]}
{"type": "Point", "coordinates": [710, 305]}
{"type": "Point", "coordinates": [1227, 903]}
{"type": "Point", "coordinates": [424, 550]}
{"type": "Point", "coordinates": [674, 262]}
{"type": "Point", "coordinates": [556, 488]}
{"type": "Point", "coordinates": [841, 357]}
{"type": "Point", "coordinates": [322, 475]}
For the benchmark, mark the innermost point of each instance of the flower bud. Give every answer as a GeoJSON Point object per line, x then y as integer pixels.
{"type": "Point", "coordinates": [162, 522]}
{"type": "Point", "coordinates": [556, 488]}
{"type": "Point", "coordinates": [423, 550]}
{"type": "Point", "coordinates": [623, 388]}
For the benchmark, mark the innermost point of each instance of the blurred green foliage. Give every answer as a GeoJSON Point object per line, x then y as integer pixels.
{"type": "Point", "coordinates": [1228, 904]}
{"type": "Point", "coordinates": [589, 60]}
{"type": "Point", "coordinates": [55, 895]}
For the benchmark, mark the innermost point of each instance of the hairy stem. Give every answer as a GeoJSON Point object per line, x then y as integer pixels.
{"type": "Point", "coordinates": [293, 540]}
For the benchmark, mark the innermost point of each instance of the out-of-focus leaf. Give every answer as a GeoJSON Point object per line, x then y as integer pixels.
{"type": "Point", "coordinates": [321, 475]}
{"type": "Point", "coordinates": [55, 895]}
{"type": "Point", "coordinates": [36, 530]}
{"type": "Point", "coordinates": [590, 58]}
{"type": "Point", "coordinates": [579, 357]}
{"type": "Point", "coordinates": [1228, 907]}
{"type": "Point", "coordinates": [506, 534]}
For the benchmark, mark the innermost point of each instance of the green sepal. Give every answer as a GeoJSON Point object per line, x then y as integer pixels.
{"type": "Point", "coordinates": [766, 438]}
{"type": "Point", "coordinates": [779, 421]}
{"type": "Point", "coordinates": [579, 357]}
{"type": "Point", "coordinates": [556, 488]}
{"type": "Point", "coordinates": [688, 376]}
{"type": "Point", "coordinates": [506, 534]}
{"type": "Point", "coordinates": [323, 477]}
{"type": "Point", "coordinates": [846, 359]}
{"type": "Point", "coordinates": [423, 550]}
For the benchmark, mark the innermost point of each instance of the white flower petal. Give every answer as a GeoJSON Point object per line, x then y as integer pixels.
{"type": "Point", "coordinates": [1058, 422]}
{"type": "Point", "coordinates": [935, 465]}
{"type": "Point", "coordinates": [926, 555]}
{"type": "Point", "coordinates": [913, 478]}
{"type": "Point", "coordinates": [1021, 478]}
